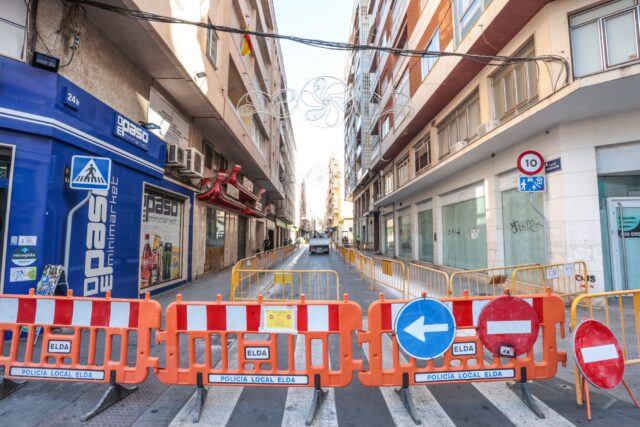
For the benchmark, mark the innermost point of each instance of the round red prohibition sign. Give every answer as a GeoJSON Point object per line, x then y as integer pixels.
{"type": "Point", "coordinates": [598, 354]}
{"type": "Point", "coordinates": [508, 326]}
{"type": "Point", "coordinates": [530, 162]}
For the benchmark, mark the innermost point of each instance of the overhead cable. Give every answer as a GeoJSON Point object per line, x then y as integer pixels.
{"type": "Point", "coordinates": [491, 60]}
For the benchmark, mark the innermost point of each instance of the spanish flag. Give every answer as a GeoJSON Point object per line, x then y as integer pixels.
{"type": "Point", "coordinates": [246, 45]}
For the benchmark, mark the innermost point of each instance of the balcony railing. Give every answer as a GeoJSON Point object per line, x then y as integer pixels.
{"type": "Point", "coordinates": [375, 153]}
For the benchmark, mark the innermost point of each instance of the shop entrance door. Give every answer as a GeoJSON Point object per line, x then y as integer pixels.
{"type": "Point", "coordinates": [6, 154]}
{"type": "Point", "coordinates": [624, 233]}
{"type": "Point", "coordinates": [242, 237]}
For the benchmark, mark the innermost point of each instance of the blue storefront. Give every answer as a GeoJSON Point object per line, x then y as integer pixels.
{"type": "Point", "coordinates": [133, 237]}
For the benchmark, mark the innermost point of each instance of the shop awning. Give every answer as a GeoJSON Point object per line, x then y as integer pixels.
{"type": "Point", "coordinates": [217, 194]}
{"type": "Point", "coordinates": [245, 187]}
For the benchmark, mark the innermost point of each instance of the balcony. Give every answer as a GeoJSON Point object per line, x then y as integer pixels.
{"type": "Point", "coordinates": [375, 151]}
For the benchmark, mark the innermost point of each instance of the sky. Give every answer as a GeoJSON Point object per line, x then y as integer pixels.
{"type": "Point", "coordinates": [326, 20]}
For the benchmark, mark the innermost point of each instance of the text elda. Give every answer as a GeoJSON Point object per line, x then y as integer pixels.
{"type": "Point", "coordinates": [59, 374]}
{"type": "Point", "coordinates": [259, 379]}
{"type": "Point", "coordinates": [482, 375]}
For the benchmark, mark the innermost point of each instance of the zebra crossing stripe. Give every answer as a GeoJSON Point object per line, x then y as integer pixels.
{"type": "Point", "coordinates": [299, 398]}
{"type": "Point", "coordinates": [512, 407]}
{"type": "Point", "coordinates": [218, 406]}
{"type": "Point", "coordinates": [427, 407]}
{"type": "Point", "coordinates": [221, 401]}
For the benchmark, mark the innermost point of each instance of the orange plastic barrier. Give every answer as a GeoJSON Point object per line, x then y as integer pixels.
{"type": "Point", "coordinates": [78, 339]}
{"type": "Point", "coordinates": [465, 361]}
{"type": "Point", "coordinates": [251, 337]}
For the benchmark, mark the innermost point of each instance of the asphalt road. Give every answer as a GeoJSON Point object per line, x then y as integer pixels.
{"type": "Point", "coordinates": [479, 404]}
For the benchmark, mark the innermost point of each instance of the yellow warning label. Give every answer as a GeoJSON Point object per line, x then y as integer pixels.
{"type": "Point", "coordinates": [279, 319]}
{"type": "Point", "coordinates": [283, 278]}
{"type": "Point", "coordinates": [387, 267]}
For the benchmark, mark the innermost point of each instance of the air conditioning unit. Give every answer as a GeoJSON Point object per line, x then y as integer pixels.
{"type": "Point", "coordinates": [195, 164]}
{"type": "Point", "coordinates": [487, 126]}
{"type": "Point", "coordinates": [458, 146]}
{"type": "Point", "coordinates": [176, 157]}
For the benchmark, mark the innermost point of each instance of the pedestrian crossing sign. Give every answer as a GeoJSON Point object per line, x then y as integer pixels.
{"type": "Point", "coordinates": [90, 173]}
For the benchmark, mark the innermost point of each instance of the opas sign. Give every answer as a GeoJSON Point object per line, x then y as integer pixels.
{"type": "Point", "coordinates": [530, 162]}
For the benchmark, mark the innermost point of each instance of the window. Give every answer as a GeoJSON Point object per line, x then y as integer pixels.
{"type": "Point", "coordinates": [215, 227]}
{"type": "Point", "coordinates": [425, 235]}
{"type": "Point", "coordinates": [208, 155]}
{"type": "Point", "coordinates": [466, 14]}
{"type": "Point", "coordinates": [386, 125]}
{"type": "Point", "coordinates": [604, 37]}
{"type": "Point", "coordinates": [404, 235]}
{"type": "Point", "coordinates": [401, 100]}
{"type": "Point", "coordinates": [386, 81]}
{"type": "Point", "coordinates": [523, 227]}
{"type": "Point", "coordinates": [461, 125]}
{"type": "Point", "coordinates": [427, 62]}
{"type": "Point", "coordinates": [388, 183]}
{"type": "Point", "coordinates": [212, 45]}
{"type": "Point", "coordinates": [515, 88]}
{"type": "Point", "coordinates": [423, 155]}
{"type": "Point", "coordinates": [259, 138]}
{"type": "Point", "coordinates": [389, 238]}
{"type": "Point", "coordinates": [403, 171]}
{"type": "Point", "coordinates": [13, 19]}
{"type": "Point", "coordinates": [161, 246]}
{"type": "Point", "coordinates": [223, 164]}
{"type": "Point", "coordinates": [464, 230]}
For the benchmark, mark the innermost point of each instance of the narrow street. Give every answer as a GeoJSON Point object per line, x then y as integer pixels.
{"type": "Point", "coordinates": [42, 403]}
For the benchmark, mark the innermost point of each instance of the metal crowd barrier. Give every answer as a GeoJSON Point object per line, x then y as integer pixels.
{"type": "Point", "coordinates": [426, 279]}
{"type": "Point", "coordinates": [620, 311]}
{"type": "Point", "coordinates": [565, 279]}
{"type": "Point", "coordinates": [484, 281]}
{"type": "Point", "coordinates": [260, 261]}
{"type": "Point", "coordinates": [365, 267]}
{"type": "Point", "coordinates": [389, 273]}
{"type": "Point", "coordinates": [286, 285]}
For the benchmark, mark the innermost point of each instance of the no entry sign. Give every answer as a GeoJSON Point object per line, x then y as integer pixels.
{"type": "Point", "coordinates": [508, 326]}
{"type": "Point", "coordinates": [530, 162]}
{"type": "Point", "coordinates": [598, 354]}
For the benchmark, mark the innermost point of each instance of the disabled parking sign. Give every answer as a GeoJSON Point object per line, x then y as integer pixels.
{"type": "Point", "coordinates": [90, 173]}
{"type": "Point", "coordinates": [425, 328]}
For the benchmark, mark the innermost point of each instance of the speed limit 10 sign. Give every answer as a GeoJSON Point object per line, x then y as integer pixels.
{"type": "Point", "coordinates": [530, 162]}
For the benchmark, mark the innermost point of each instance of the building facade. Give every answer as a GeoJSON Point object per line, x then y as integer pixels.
{"type": "Point", "coordinates": [441, 184]}
{"type": "Point", "coordinates": [305, 223]}
{"type": "Point", "coordinates": [338, 212]}
{"type": "Point", "coordinates": [198, 175]}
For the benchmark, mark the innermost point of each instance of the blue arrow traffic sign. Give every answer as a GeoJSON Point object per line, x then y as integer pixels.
{"type": "Point", "coordinates": [425, 328]}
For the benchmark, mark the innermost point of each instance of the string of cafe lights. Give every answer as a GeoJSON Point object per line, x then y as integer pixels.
{"type": "Point", "coordinates": [490, 60]}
